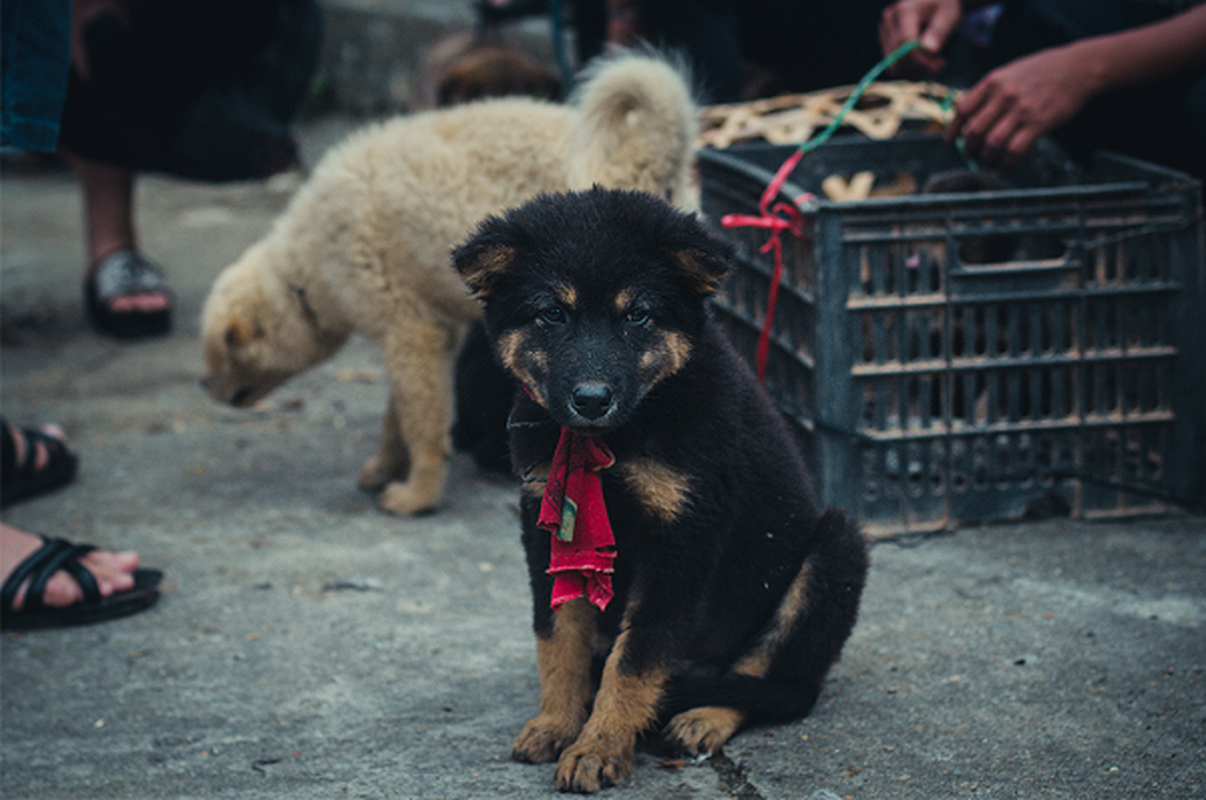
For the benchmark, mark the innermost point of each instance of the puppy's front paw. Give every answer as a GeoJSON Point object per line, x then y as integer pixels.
{"type": "Point", "coordinates": [704, 729]}
{"type": "Point", "coordinates": [594, 761]}
{"type": "Point", "coordinates": [405, 499]}
{"type": "Point", "coordinates": [543, 739]}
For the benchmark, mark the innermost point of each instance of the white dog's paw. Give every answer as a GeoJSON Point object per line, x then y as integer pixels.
{"type": "Point", "coordinates": [378, 472]}
{"type": "Point", "coordinates": [404, 499]}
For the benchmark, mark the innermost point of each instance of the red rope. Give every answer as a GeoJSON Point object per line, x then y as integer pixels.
{"type": "Point", "coordinates": [777, 218]}
{"type": "Point", "coordinates": [792, 220]}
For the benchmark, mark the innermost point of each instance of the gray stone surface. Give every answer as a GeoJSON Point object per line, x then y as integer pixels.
{"type": "Point", "coordinates": [308, 646]}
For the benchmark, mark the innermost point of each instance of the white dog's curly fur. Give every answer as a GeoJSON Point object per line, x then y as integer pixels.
{"type": "Point", "coordinates": [364, 246]}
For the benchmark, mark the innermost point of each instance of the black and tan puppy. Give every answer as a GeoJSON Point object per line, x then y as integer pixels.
{"type": "Point", "coordinates": [697, 564]}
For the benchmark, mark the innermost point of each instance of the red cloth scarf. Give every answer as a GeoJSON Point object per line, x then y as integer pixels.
{"type": "Point", "coordinates": [583, 546]}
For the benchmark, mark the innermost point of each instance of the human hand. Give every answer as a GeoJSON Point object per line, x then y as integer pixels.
{"type": "Point", "coordinates": [931, 22]}
{"type": "Point", "coordinates": [1002, 115]}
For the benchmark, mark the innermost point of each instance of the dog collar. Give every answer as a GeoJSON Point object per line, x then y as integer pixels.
{"type": "Point", "coordinates": [307, 310]}
{"type": "Point", "coordinates": [582, 543]}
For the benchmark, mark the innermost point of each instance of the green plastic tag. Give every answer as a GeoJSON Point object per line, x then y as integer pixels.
{"type": "Point", "coordinates": [569, 513]}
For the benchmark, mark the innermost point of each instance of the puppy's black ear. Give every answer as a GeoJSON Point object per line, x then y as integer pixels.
{"type": "Point", "coordinates": [485, 258]}
{"type": "Point", "coordinates": [704, 263]}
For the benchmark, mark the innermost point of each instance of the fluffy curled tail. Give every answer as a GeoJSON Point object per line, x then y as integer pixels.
{"type": "Point", "coordinates": [637, 128]}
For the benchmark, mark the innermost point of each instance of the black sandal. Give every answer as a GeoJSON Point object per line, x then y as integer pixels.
{"type": "Point", "coordinates": [57, 554]}
{"type": "Point", "coordinates": [126, 273]}
{"type": "Point", "coordinates": [26, 479]}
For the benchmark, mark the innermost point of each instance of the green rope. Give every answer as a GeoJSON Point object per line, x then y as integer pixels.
{"type": "Point", "coordinates": [857, 94]}
{"type": "Point", "coordinates": [948, 104]}
{"type": "Point", "coordinates": [861, 88]}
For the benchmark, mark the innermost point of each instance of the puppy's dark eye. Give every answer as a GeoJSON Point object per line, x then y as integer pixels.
{"type": "Point", "coordinates": [637, 316]}
{"type": "Point", "coordinates": [553, 315]}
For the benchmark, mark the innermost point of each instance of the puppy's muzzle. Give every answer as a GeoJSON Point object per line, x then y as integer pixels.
{"type": "Point", "coordinates": [592, 399]}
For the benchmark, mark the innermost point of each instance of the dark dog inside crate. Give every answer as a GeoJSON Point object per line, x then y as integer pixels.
{"type": "Point", "coordinates": [919, 400]}
{"type": "Point", "coordinates": [733, 594]}
{"type": "Point", "coordinates": [992, 248]}
{"type": "Point", "coordinates": [961, 366]}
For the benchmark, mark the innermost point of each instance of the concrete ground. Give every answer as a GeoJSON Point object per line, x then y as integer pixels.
{"type": "Point", "coordinates": [309, 646]}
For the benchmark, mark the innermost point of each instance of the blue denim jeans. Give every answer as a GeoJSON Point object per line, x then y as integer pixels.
{"type": "Point", "coordinates": [36, 55]}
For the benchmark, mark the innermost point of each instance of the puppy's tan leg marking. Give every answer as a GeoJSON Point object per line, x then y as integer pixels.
{"type": "Point", "coordinates": [704, 729]}
{"type": "Point", "coordinates": [564, 663]}
{"type": "Point", "coordinates": [420, 360]}
{"type": "Point", "coordinates": [757, 661]}
{"type": "Point", "coordinates": [624, 706]}
{"type": "Point", "coordinates": [663, 491]}
{"type": "Point", "coordinates": [392, 461]}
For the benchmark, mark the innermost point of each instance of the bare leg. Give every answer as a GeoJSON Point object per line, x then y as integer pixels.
{"type": "Point", "coordinates": [108, 207]}
{"type": "Point", "coordinates": [109, 218]}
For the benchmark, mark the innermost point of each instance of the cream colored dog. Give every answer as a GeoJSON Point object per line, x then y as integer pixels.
{"type": "Point", "coordinates": [364, 246]}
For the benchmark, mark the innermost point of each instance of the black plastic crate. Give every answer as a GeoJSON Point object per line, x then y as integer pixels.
{"type": "Point", "coordinates": [928, 390]}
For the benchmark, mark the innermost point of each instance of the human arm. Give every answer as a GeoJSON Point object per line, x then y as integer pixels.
{"type": "Point", "coordinates": [1012, 106]}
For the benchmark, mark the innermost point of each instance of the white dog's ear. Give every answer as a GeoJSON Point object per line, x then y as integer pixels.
{"type": "Point", "coordinates": [482, 262]}
{"type": "Point", "coordinates": [239, 333]}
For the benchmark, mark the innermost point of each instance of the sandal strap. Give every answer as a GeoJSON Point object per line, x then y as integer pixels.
{"type": "Point", "coordinates": [8, 449]}
{"type": "Point", "coordinates": [27, 478]}
{"type": "Point", "coordinates": [22, 571]}
{"type": "Point", "coordinates": [14, 469]}
{"type": "Point", "coordinates": [29, 459]}
{"type": "Point", "coordinates": [124, 273]}
{"type": "Point", "coordinates": [40, 566]}
{"type": "Point", "coordinates": [66, 557]}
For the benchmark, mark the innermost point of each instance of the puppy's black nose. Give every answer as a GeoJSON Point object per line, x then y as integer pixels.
{"type": "Point", "coordinates": [592, 399]}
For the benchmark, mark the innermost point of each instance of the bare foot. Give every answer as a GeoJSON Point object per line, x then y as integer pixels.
{"type": "Point", "coordinates": [114, 572]}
